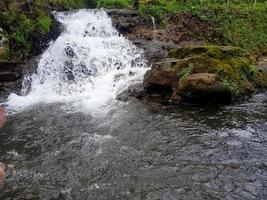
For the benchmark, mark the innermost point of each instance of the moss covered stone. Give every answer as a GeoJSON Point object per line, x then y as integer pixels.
{"type": "Point", "coordinates": [206, 73]}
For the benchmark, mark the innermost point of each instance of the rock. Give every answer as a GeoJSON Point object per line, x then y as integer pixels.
{"type": "Point", "coordinates": [203, 74]}
{"type": "Point", "coordinates": [10, 78]}
{"type": "Point", "coordinates": [263, 63]}
{"type": "Point", "coordinates": [2, 117]}
{"type": "Point", "coordinates": [2, 6]}
{"type": "Point", "coordinates": [139, 29]}
{"type": "Point", "coordinates": [126, 21]}
{"type": "Point", "coordinates": [3, 169]}
{"type": "Point", "coordinates": [10, 71]}
{"type": "Point", "coordinates": [135, 90]}
{"type": "Point", "coordinates": [154, 50]}
{"type": "Point", "coordinates": [202, 87]}
{"type": "Point", "coordinates": [39, 42]}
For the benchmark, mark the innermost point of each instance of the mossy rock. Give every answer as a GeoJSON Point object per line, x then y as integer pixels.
{"type": "Point", "coordinates": [207, 73]}
{"type": "Point", "coordinates": [219, 52]}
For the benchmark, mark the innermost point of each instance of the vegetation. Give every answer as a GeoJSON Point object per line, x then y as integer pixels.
{"type": "Point", "coordinates": [237, 23]}
{"type": "Point", "coordinates": [43, 22]}
{"type": "Point", "coordinates": [18, 28]}
{"type": "Point", "coordinates": [243, 25]}
{"type": "Point", "coordinates": [19, 24]}
{"type": "Point", "coordinates": [113, 3]}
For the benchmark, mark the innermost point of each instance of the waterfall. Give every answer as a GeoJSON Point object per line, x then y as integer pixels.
{"type": "Point", "coordinates": [88, 64]}
{"type": "Point", "coordinates": [154, 26]}
{"type": "Point", "coordinates": [153, 22]}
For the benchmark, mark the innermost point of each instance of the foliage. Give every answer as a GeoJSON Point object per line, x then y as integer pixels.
{"type": "Point", "coordinates": [113, 3]}
{"type": "Point", "coordinates": [68, 4]}
{"type": "Point", "coordinates": [240, 26]}
{"type": "Point", "coordinates": [18, 27]}
{"type": "Point", "coordinates": [237, 24]}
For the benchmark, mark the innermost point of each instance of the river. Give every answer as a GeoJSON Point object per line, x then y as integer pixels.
{"type": "Point", "coordinates": [67, 137]}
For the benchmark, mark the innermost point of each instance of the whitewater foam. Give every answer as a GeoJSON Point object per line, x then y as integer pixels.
{"type": "Point", "coordinates": [87, 65]}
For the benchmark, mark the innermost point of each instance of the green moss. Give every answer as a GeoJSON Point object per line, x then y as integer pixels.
{"type": "Point", "coordinates": [43, 23]}
{"type": "Point", "coordinates": [185, 72]}
{"type": "Point", "coordinates": [233, 66]}
{"type": "Point", "coordinates": [231, 86]}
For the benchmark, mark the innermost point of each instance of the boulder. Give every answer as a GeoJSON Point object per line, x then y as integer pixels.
{"type": "Point", "coordinates": [203, 74]}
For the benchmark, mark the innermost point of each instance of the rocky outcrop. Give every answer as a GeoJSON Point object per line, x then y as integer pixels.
{"type": "Point", "coordinates": [203, 74]}
{"type": "Point", "coordinates": [140, 30]}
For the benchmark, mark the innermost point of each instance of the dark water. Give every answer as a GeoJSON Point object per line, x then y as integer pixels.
{"type": "Point", "coordinates": [138, 151]}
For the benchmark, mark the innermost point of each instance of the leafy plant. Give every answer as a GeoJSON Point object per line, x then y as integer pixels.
{"type": "Point", "coordinates": [18, 27]}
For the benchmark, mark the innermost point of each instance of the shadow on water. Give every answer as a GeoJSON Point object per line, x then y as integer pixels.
{"type": "Point", "coordinates": [137, 151]}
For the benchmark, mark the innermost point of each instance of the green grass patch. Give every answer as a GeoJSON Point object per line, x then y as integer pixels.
{"type": "Point", "coordinates": [109, 4]}
{"type": "Point", "coordinates": [237, 24]}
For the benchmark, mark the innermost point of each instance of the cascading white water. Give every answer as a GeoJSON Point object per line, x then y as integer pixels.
{"type": "Point", "coordinates": [88, 64]}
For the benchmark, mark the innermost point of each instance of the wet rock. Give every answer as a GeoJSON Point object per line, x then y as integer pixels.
{"type": "Point", "coordinates": [203, 74]}
{"type": "Point", "coordinates": [154, 50]}
{"type": "Point", "coordinates": [10, 71]}
{"type": "Point", "coordinates": [139, 29]}
{"type": "Point", "coordinates": [10, 77]}
{"type": "Point", "coordinates": [125, 21]}
{"type": "Point", "coordinates": [2, 117]}
{"type": "Point", "coordinates": [202, 87]}
{"type": "Point", "coordinates": [69, 51]}
{"type": "Point", "coordinates": [135, 90]}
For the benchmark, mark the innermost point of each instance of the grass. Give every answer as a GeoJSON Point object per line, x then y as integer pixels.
{"type": "Point", "coordinates": [113, 4]}
{"type": "Point", "coordinates": [237, 24]}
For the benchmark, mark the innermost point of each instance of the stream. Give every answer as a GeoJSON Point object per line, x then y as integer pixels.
{"type": "Point", "coordinates": [67, 137]}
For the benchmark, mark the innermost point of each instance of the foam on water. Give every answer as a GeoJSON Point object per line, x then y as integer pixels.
{"type": "Point", "coordinates": [87, 65]}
